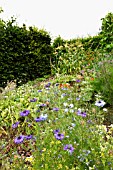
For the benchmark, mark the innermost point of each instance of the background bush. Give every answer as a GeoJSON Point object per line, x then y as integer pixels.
{"type": "Point", "coordinates": [107, 32]}
{"type": "Point", "coordinates": [24, 53]}
{"type": "Point", "coordinates": [27, 54]}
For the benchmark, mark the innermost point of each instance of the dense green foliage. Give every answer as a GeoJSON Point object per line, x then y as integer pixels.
{"type": "Point", "coordinates": [103, 81]}
{"type": "Point", "coordinates": [61, 123]}
{"type": "Point", "coordinates": [107, 32]}
{"type": "Point", "coordinates": [24, 54]}
{"type": "Point", "coordinates": [104, 39]}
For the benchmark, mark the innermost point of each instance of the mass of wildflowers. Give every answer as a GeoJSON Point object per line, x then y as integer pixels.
{"type": "Point", "coordinates": [55, 126]}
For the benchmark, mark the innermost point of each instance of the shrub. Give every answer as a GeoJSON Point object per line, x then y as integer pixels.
{"type": "Point", "coordinates": [24, 54]}
{"type": "Point", "coordinates": [107, 32]}
{"type": "Point", "coordinates": [103, 81]}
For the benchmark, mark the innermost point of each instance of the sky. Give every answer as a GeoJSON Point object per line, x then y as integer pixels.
{"type": "Point", "coordinates": [66, 18]}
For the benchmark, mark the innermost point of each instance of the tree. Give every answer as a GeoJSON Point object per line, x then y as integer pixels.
{"type": "Point", "coordinates": [107, 32]}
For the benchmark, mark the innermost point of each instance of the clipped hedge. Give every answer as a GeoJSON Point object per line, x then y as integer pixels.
{"type": "Point", "coordinates": [24, 53]}
{"type": "Point", "coordinates": [91, 42]}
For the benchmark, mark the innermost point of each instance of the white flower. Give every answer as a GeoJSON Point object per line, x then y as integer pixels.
{"type": "Point", "coordinates": [69, 98]}
{"type": "Point", "coordinates": [71, 110]}
{"type": "Point", "coordinates": [65, 104]}
{"type": "Point", "coordinates": [66, 110]}
{"type": "Point", "coordinates": [71, 105]}
{"type": "Point", "coordinates": [73, 124]}
{"type": "Point", "coordinates": [79, 110]}
{"type": "Point", "coordinates": [100, 103]}
{"type": "Point", "coordinates": [105, 110]}
{"type": "Point", "coordinates": [43, 117]}
{"type": "Point", "coordinates": [111, 126]}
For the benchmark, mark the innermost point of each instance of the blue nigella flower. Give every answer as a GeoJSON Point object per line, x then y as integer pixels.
{"type": "Point", "coordinates": [64, 94]}
{"type": "Point", "coordinates": [100, 103]}
{"type": "Point", "coordinates": [69, 148]}
{"type": "Point", "coordinates": [57, 84]}
{"type": "Point", "coordinates": [24, 113]}
{"type": "Point", "coordinates": [42, 105]}
{"type": "Point", "coordinates": [59, 136]}
{"type": "Point", "coordinates": [28, 137]}
{"type": "Point", "coordinates": [43, 117]}
{"type": "Point", "coordinates": [39, 90]}
{"type": "Point", "coordinates": [19, 139]}
{"type": "Point", "coordinates": [38, 119]}
{"type": "Point", "coordinates": [48, 85]}
{"type": "Point", "coordinates": [80, 113]}
{"type": "Point", "coordinates": [78, 81]}
{"type": "Point", "coordinates": [55, 109]}
{"type": "Point", "coordinates": [38, 111]}
{"type": "Point", "coordinates": [15, 125]}
{"type": "Point", "coordinates": [77, 98]}
{"type": "Point", "coordinates": [33, 100]}
{"type": "Point", "coordinates": [56, 131]}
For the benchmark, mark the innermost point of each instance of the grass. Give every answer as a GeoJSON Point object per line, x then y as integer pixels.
{"type": "Point", "coordinates": [56, 123]}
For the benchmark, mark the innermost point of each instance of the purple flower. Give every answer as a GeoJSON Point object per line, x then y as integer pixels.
{"type": "Point", "coordinates": [78, 81]}
{"type": "Point", "coordinates": [33, 100]}
{"type": "Point", "coordinates": [89, 121]}
{"type": "Point", "coordinates": [39, 90]}
{"type": "Point", "coordinates": [69, 148]}
{"type": "Point", "coordinates": [80, 113]}
{"type": "Point", "coordinates": [38, 119]}
{"type": "Point", "coordinates": [59, 136]}
{"type": "Point", "coordinates": [42, 105]}
{"type": "Point", "coordinates": [77, 98]}
{"type": "Point", "coordinates": [55, 109]}
{"type": "Point", "coordinates": [100, 103]}
{"type": "Point", "coordinates": [28, 137]}
{"type": "Point", "coordinates": [57, 84]}
{"type": "Point", "coordinates": [19, 139]}
{"type": "Point", "coordinates": [47, 85]}
{"type": "Point", "coordinates": [64, 94]}
{"type": "Point", "coordinates": [43, 117]}
{"type": "Point", "coordinates": [83, 114]}
{"type": "Point", "coordinates": [24, 113]}
{"type": "Point", "coordinates": [56, 131]}
{"type": "Point", "coordinates": [15, 125]}
{"type": "Point", "coordinates": [38, 111]}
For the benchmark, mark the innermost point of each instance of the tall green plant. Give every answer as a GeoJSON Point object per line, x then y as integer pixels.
{"type": "Point", "coordinates": [103, 81]}
{"type": "Point", "coordinates": [107, 32]}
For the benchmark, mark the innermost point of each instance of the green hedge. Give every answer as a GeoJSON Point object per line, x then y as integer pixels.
{"type": "Point", "coordinates": [104, 39]}
{"type": "Point", "coordinates": [24, 53]}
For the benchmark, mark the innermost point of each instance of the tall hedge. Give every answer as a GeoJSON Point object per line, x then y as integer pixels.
{"type": "Point", "coordinates": [24, 53]}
